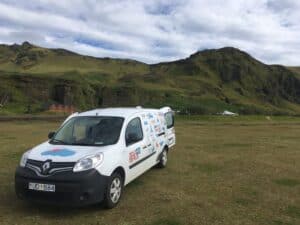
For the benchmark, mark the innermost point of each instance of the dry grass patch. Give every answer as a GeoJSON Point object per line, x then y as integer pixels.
{"type": "Point", "coordinates": [218, 173]}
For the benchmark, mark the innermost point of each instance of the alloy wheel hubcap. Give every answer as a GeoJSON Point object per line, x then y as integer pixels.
{"type": "Point", "coordinates": [115, 190]}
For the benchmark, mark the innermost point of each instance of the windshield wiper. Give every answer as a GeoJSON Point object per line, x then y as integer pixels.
{"type": "Point", "coordinates": [59, 141]}
{"type": "Point", "coordinates": [81, 143]}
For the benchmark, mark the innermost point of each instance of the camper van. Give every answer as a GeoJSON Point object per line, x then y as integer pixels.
{"type": "Point", "coordinates": [94, 154]}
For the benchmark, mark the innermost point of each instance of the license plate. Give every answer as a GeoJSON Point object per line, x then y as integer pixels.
{"type": "Point", "coordinates": [41, 187]}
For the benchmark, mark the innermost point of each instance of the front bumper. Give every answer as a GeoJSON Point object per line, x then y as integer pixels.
{"type": "Point", "coordinates": [72, 189]}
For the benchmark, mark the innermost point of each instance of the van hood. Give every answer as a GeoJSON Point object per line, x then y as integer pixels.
{"type": "Point", "coordinates": [63, 153]}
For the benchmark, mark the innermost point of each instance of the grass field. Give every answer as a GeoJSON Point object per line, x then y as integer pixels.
{"type": "Point", "coordinates": [224, 171]}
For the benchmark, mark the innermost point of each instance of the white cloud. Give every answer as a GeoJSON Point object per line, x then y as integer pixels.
{"type": "Point", "coordinates": [157, 30]}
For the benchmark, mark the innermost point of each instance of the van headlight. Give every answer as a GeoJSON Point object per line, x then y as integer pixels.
{"type": "Point", "coordinates": [88, 162]}
{"type": "Point", "coordinates": [24, 159]}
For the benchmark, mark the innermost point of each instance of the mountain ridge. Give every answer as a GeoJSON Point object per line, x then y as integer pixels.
{"type": "Point", "coordinates": [206, 82]}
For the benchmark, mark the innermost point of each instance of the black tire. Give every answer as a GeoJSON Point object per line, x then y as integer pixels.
{"type": "Point", "coordinates": [163, 159]}
{"type": "Point", "coordinates": [109, 200]}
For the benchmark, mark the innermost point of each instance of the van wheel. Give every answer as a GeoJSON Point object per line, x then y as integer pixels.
{"type": "Point", "coordinates": [113, 191]}
{"type": "Point", "coordinates": [163, 159]}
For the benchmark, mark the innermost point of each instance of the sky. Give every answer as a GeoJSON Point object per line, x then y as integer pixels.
{"type": "Point", "coordinates": [155, 31]}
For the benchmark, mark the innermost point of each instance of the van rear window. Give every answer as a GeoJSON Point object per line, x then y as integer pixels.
{"type": "Point", "coordinates": [169, 116]}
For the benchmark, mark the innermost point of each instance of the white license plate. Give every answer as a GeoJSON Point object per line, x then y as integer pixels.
{"type": "Point", "coordinates": [41, 187]}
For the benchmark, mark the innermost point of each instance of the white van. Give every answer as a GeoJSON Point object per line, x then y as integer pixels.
{"type": "Point", "coordinates": [94, 154]}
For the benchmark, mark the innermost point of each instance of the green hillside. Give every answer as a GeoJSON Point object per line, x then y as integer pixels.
{"type": "Point", "coordinates": [295, 70]}
{"type": "Point", "coordinates": [210, 81]}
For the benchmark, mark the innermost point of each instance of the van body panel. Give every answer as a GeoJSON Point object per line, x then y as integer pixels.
{"type": "Point", "coordinates": [133, 152]}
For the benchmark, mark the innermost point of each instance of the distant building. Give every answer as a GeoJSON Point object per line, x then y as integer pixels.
{"type": "Point", "coordinates": [228, 113]}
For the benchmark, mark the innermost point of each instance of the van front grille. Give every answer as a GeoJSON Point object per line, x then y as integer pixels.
{"type": "Point", "coordinates": [43, 170]}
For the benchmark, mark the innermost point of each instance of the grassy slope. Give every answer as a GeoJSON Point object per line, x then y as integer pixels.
{"type": "Point", "coordinates": [207, 82]}
{"type": "Point", "coordinates": [31, 59]}
{"type": "Point", "coordinates": [242, 170]}
{"type": "Point", "coordinates": [296, 70]}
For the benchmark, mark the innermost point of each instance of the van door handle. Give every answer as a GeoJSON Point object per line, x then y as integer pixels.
{"type": "Point", "coordinates": [162, 133]}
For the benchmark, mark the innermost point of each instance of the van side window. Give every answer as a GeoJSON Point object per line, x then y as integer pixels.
{"type": "Point", "coordinates": [169, 119]}
{"type": "Point", "coordinates": [134, 131]}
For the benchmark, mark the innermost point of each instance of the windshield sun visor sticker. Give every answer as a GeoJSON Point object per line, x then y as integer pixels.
{"type": "Point", "coordinates": [63, 152]}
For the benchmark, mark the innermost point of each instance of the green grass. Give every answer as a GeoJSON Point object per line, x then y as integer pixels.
{"type": "Point", "coordinates": [287, 182]}
{"type": "Point", "coordinates": [242, 119]}
{"type": "Point", "coordinates": [227, 171]}
{"type": "Point", "coordinates": [293, 211]}
{"type": "Point", "coordinates": [296, 70]}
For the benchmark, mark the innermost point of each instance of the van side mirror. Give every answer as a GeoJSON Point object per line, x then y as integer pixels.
{"type": "Point", "coordinates": [132, 138]}
{"type": "Point", "coordinates": [51, 134]}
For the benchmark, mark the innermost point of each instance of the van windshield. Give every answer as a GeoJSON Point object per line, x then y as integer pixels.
{"type": "Point", "coordinates": [89, 131]}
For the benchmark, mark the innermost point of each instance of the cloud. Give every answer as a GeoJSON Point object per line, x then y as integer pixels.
{"type": "Point", "coordinates": [157, 30]}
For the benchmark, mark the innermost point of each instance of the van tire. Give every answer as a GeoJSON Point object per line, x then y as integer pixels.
{"type": "Point", "coordinates": [114, 190]}
{"type": "Point", "coordinates": [163, 159]}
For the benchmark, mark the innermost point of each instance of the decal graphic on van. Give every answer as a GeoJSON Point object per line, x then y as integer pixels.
{"type": "Point", "coordinates": [151, 149]}
{"type": "Point", "coordinates": [134, 155]}
{"type": "Point", "coordinates": [150, 116]}
{"type": "Point", "coordinates": [64, 152]}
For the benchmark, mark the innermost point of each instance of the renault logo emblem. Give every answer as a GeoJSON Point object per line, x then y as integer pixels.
{"type": "Point", "coordinates": [46, 167]}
